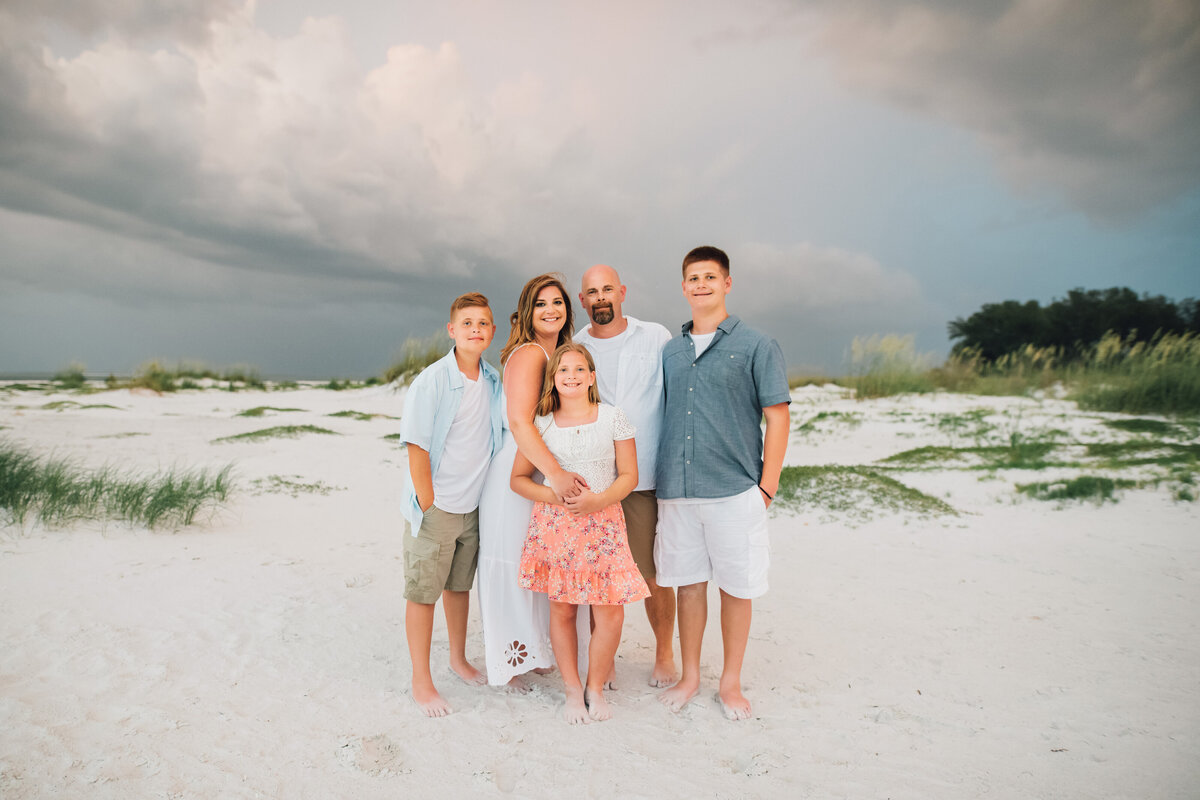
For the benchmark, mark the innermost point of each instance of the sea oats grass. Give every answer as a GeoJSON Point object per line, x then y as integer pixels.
{"type": "Point", "coordinates": [56, 492]}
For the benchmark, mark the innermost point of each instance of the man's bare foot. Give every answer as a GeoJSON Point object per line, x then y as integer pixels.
{"type": "Point", "coordinates": [678, 696]}
{"type": "Point", "coordinates": [734, 703]}
{"type": "Point", "coordinates": [468, 673]}
{"type": "Point", "coordinates": [663, 675]}
{"type": "Point", "coordinates": [430, 702]}
{"type": "Point", "coordinates": [598, 708]}
{"type": "Point", "coordinates": [517, 685]}
{"type": "Point", "coordinates": [575, 712]}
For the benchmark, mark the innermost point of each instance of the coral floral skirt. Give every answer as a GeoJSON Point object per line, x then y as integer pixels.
{"type": "Point", "coordinates": [584, 560]}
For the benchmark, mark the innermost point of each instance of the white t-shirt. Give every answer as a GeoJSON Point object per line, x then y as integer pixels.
{"type": "Point", "coordinates": [459, 479]}
{"type": "Point", "coordinates": [629, 376]}
{"type": "Point", "coordinates": [701, 341]}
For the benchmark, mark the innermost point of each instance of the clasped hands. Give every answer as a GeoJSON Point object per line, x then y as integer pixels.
{"type": "Point", "coordinates": [574, 494]}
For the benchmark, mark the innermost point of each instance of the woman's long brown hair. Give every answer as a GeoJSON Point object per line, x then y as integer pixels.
{"type": "Point", "coordinates": [522, 319]}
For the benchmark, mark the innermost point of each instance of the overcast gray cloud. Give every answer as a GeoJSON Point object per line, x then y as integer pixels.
{"type": "Point", "coordinates": [259, 164]}
{"type": "Point", "coordinates": [1095, 100]}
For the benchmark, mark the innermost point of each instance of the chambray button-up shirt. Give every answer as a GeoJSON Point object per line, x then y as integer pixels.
{"type": "Point", "coordinates": [712, 439]}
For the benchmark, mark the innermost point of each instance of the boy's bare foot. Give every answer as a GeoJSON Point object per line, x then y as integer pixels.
{"type": "Point", "coordinates": [430, 702]}
{"type": "Point", "coordinates": [575, 712]}
{"type": "Point", "coordinates": [598, 708]}
{"type": "Point", "coordinates": [678, 696]}
{"type": "Point", "coordinates": [663, 675]}
{"type": "Point", "coordinates": [734, 703]}
{"type": "Point", "coordinates": [468, 673]}
{"type": "Point", "coordinates": [517, 685]}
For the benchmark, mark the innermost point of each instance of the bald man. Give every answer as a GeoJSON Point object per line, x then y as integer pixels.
{"type": "Point", "coordinates": [628, 356]}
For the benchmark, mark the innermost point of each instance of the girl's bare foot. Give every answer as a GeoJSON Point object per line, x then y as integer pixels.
{"type": "Point", "coordinates": [543, 670]}
{"type": "Point", "coordinates": [733, 702]}
{"type": "Point", "coordinates": [663, 675]}
{"type": "Point", "coordinates": [598, 708]}
{"type": "Point", "coordinates": [575, 712]}
{"type": "Point", "coordinates": [430, 702]}
{"type": "Point", "coordinates": [679, 695]}
{"type": "Point", "coordinates": [517, 685]}
{"type": "Point", "coordinates": [468, 673]}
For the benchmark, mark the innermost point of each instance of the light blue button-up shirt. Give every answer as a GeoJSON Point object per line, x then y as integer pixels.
{"type": "Point", "coordinates": [712, 440]}
{"type": "Point", "coordinates": [432, 401]}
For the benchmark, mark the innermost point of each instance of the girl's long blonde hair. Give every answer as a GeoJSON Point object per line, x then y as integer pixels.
{"type": "Point", "coordinates": [550, 402]}
{"type": "Point", "coordinates": [522, 319]}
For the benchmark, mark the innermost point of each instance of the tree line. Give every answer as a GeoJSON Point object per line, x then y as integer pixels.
{"type": "Point", "coordinates": [1073, 324]}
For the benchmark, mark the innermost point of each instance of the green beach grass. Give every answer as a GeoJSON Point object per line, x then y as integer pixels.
{"type": "Point", "coordinates": [57, 491]}
{"type": "Point", "coordinates": [278, 432]}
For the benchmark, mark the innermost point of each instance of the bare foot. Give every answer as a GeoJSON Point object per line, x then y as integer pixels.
{"type": "Point", "coordinates": [598, 708]}
{"type": "Point", "coordinates": [734, 703]}
{"type": "Point", "coordinates": [678, 696]}
{"type": "Point", "coordinates": [468, 673]}
{"type": "Point", "coordinates": [575, 712]}
{"type": "Point", "coordinates": [543, 670]}
{"type": "Point", "coordinates": [610, 683]}
{"type": "Point", "coordinates": [663, 675]}
{"type": "Point", "coordinates": [430, 702]}
{"type": "Point", "coordinates": [517, 685]}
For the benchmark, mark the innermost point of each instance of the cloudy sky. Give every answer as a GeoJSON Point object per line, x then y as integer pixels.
{"type": "Point", "coordinates": [301, 185]}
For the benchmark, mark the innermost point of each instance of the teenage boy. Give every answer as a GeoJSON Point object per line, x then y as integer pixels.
{"type": "Point", "coordinates": [717, 472]}
{"type": "Point", "coordinates": [451, 425]}
{"type": "Point", "coordinates": [628, 356]}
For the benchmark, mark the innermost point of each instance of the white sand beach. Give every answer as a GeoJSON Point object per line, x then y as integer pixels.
{"type": "Point", "coordinates": [1017, 648]}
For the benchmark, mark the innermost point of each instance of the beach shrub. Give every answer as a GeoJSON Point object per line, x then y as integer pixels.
{"type": "Point", "coordinates": [416, 355]}
{"type": "Point", "coordinates": [882, 366]}
{"type": "Point", "coordinates": [71, 378]}
{"type": "Point", "coordinates": [155, 377]}
{"type": "Point", "coordinates": [1161, 376]}
{"type": "Point", "coordinates": [57, 491]}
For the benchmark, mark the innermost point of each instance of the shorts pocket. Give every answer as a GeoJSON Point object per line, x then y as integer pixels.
{"type": "Point", "coordinates": [421, 569]}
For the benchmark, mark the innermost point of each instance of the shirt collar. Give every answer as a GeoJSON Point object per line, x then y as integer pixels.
{"type": "Point", "coordinates": [727, 325]}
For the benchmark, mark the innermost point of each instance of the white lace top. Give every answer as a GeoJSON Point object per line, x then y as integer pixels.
{"type": "Point", "coordinates": [588, 449]}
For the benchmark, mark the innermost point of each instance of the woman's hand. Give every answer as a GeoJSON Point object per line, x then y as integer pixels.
{"type": "Point", "coordinates": [584, 503]}
{"type": "Point", "coordinates": [567, 484]}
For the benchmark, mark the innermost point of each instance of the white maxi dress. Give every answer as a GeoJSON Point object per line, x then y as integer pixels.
{"type": "Point", "coordinates": [516, 621]}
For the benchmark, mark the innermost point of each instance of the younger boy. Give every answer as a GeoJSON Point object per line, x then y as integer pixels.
{"type": "Point", "coordinates": [451, 426]}
{"type": "Point", "coordinates": [717, 472]}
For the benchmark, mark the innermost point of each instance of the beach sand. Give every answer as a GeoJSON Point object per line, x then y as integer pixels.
{"type": "Point", "coordinates": [1016, 649]}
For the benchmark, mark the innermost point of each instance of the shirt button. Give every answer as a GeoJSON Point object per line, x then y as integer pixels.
{"type": "Point", "coordinates": [689, 388]}
{"type": "Point", "coordinates": [689, 412]}
{"type": "Point", "coordinates": [687, 462]}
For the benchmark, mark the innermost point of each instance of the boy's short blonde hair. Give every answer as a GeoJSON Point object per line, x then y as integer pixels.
{"type": "Point", "coordinates": [707, 253]}
{"type": "Point", "coordinates": [468, 300]}
{"type": "Point", "coordinates": [549, 402]}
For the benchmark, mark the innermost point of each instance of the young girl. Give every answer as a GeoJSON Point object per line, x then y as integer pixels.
{"type": "Point", "coordinates": [576, 551]}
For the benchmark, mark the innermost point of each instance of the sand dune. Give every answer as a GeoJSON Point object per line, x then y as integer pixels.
{"type": "Point", "coordinates": [1013, 648]}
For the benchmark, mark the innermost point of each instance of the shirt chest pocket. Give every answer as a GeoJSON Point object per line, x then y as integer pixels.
{"type": "Point", "coordinates": [727, 369]}
{"type": "Point", "coordinates": [636, 369]}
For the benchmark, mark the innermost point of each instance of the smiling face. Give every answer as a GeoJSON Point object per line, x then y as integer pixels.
{"type": "Point", "coordinates": [471, 329]}
{"type": "Point", "coordinates": [573, 377]}
{"type": "Point", "coordinates": [549, 312]}
{"type": "Point", "coordinates": [705, 285]}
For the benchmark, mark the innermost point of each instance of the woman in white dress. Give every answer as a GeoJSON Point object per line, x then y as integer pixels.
{"type": "Point", "coordinates": [516, 621]}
